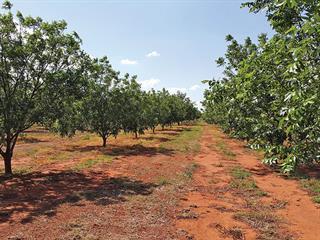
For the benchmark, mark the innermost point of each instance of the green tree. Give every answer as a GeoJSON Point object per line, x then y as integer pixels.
{"type": "Point", "coordinates": [134, 114]}
{"type": "Point", "coordinates": [270, 92]}
{"type": "Point", "coordinates": [40, 65]}
{"type": "Point", "coordinates": [101, 108]}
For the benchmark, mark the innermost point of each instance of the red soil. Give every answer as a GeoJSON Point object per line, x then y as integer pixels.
{"type": "Point", "coordinates": [130, 199]}
{"type": "Point", "coordinates": [301, 217]}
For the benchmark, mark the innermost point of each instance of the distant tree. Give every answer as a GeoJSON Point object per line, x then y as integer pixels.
{"type": "Point", "coordinates": [40, 73]}
{"type": "Point", "coordinates": [101, 111]}
{"type": "Point", "coordinates": [152, 111]}
{"type": "Point", "coordinates": [164, 108]}
{"type": "Point", "coordinates": [134, 118]}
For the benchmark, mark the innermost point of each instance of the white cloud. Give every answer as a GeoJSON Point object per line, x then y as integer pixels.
{"type": "Point", "coordinates": [194, 87]}
{"type": "Point", "coordinates": [149, 83]}
{"type": "Point", "coordinates": [128, 62]}
{"type": "Point", "coordinates": [198, 105]}
{"type": "Point", "coordinates": [153, 54]}
{"type": "Point", "coordinates": [175, 90]}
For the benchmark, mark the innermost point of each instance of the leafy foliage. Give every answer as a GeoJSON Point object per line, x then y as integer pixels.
{"type": "Point", "coordinates": [270, 92]}
{"type": "Point", "coordinates": [40, 75]}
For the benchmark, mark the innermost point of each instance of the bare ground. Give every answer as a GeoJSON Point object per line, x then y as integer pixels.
{"type": "Point", "coordinates": [181, 183]}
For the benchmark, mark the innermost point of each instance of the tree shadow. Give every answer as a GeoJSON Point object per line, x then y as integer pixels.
{"type": "Point", "coordinates": [262, 170]}
{"type": "Point", "coordinates": [152, 138]}
{"type": "Point", "coordinates": [124, 150]}
{"type": "Point", "coordinates": [36, 130]}
{"type": "Point", "coordinates": [31, 140]}
{"type": "Point", "coordinates": [308, 171]}
{"type": "Point", "coordinates": [38, 194]}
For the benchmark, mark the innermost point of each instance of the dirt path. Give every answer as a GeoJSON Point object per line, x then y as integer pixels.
{"type": "Point", "coordinates": [214, 210]}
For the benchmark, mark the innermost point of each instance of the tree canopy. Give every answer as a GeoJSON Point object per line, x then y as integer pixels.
{"type": "Point", "coordinates": [270, 91]}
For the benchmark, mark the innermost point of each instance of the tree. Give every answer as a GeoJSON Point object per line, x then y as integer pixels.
{"type": "Point", "coordinates": [152, 112]}
{"type": "Point", "coordinates": [102, 107]}
{"type": "Point", "coordinates": [270, 92]}
{"type": "Point", "coordinates": [40, 64]}
{"type": "Point", "coordinates": [134, 114]}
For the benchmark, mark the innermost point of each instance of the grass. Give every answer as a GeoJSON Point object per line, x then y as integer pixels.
{"type": "Point", "coordinates": [89, 163]}
{"type": "Point", "coordinates": [223, 148]}
{"type": "Point", "coordinates": [162, 181]}
{"type": "Point", "coordinates": [86, 137]}
{"type": "Point", "coordinates": [235, 232]}
{"type": "Point", "coordinates": [59, 156]}
{"type": "Point", "coordinates": [313, 186]}
{"type": "Point", "coordinates": [258, 215]}
{"type": "Point", "coordinates": [190, 169]}
{"type": "Point", "coordinates": [244, 183]}
{"type": "Point", "coordinates": [265, 222]}
{"type": "Point", "coordinates": [240, 173]}
{"type": "Point", "coordinates": [23, 170]}
{"type": "Point", "coordinates": [187, 141]}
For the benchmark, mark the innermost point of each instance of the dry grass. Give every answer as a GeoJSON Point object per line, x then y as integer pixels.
{"type": "Point", "coordinates": [313, 186]}
{"type": "Point", "coordinates": [243, 183]}
{"type": "Point", "coordinates": [38, 148]}
{"type": "Point", "coordinates": [235, 232]}
{"type": "Point", "coordinates": [187, 141]}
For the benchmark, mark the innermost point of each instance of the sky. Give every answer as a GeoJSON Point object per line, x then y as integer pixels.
{"type": "Point", "coordinates": [171, 44]}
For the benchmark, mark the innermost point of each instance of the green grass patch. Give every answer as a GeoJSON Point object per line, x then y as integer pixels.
{"type": "Point", "coordinates": [265, 222]}
{"type": "Point", "coordinates": [162, 181]}
{"type": "Point", "coordinates": [244, 183]}
{"type": "Point", "coordinates": [313, 186]}
{"type": "Point", "coordinates": [240, 173]}
{"type": "Point", "coordinates": [89, 163]}
{"type": "Point", "coordinates": [187, 141]}
{"type": "Point", "coordinates": [86, 137]}
{"type": "Point", "coordinates": [22, 170]}
{"type": "Point", "coordinates": [59, 156]}
{"type": "Point", "coordinates": [31, 152]}
{"type": "Point", "coordinates": [189, 171]}
{"type": "Point", "coordinates": [225, 150]}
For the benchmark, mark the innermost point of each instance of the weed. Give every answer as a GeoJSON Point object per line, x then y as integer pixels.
{"type": "Point", "coordinates": [313, 186]}
{"type": "Point", "coordinates": [31, 152]}
{"type": "Point", "coordinates": [162, 181]}
{"type": "Point", "coordinates": [243, 182]}
{"type": "Point", "coordinates": [235, 232]}
{"type": "Point", "coordinates": [316, 199]}
{"type": "Point", "coordinates": [23, 170]}
{"type": "Point", "coordinates": [59, 156]}
{"type": "Point", "coordinates": [266, 223]}
{"type": "Point", "coordinates": [240, 173]}
{"type": "Point", "coordinates": [89, 163]}
{"type": "Point", "coordinates": [86, 137]}
{"type": "Point", "coordinates": [188, 173]}
{"type": "Point", "coordinates": [221, 147]}
{"type": "Point", "coordinates": [187, 141]}
{"type": "Point", "coordinates": [187, 214]}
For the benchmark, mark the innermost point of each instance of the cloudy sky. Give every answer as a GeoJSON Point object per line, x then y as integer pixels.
{"type": "Point", "coordinates": [167, 43]}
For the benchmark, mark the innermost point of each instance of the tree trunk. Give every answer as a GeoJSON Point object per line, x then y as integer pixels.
{"type": "Point", "coordinates": [153, 129]}
{"type": "Point", "coordinates": [7, 164]}
{"type": "Point", "coordinates": [136, 134]}
{"type": "Point", "coordinates": [104, 141]}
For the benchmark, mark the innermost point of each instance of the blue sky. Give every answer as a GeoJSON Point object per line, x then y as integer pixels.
{"type": "Point", "coordinates": [182, 37]}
